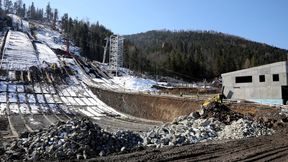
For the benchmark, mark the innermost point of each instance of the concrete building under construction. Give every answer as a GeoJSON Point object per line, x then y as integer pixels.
{"type": "Point", "coordinates": [265, 84]}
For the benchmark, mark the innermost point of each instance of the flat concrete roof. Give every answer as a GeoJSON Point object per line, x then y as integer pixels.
{"type": "Point", "coordinates": [281, 63]}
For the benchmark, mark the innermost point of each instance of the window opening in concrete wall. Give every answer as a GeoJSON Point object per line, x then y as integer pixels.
{"type": "Point", "coordinates": [243, 79]}
{"type": "Point", "coordinates": [275, 77]}
{"type": "Point", "coordinates": [261, 78]}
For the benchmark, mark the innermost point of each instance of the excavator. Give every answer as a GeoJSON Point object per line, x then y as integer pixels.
{"type": "Point", "coordinates": [218, 98]}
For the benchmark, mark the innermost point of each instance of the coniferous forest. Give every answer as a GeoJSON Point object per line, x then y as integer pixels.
{"type": "Point", "coordinates": [195, 54]}
{"type": "Point", "coordinates": [90, 37]}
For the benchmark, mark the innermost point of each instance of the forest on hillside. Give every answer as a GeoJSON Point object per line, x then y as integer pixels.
{"type": "Point", "coordinates": [195, 55]}
{"type": "Point", "coordinates": [189, 55]}
{"type": "Point", "coordinates": [90, 37]}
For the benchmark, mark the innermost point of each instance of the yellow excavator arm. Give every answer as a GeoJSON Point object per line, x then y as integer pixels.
{"type": "Point", "coordinates": [216, 98]}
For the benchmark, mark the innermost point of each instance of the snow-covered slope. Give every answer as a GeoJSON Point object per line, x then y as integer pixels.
{"type": "Point", "coordinates": [46, 54]}
{"type": "Point", "coordinates": [19, 23]}
{"type": "Point", "coordinates": [54, 39]}
{"type": "Point", "coordinates": [18, 52]}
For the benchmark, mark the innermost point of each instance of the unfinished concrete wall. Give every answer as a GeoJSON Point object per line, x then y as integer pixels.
{"type": "Point", "coordinates": [267, 89]}
{"type": "Point", "coordinates": [146, 106]}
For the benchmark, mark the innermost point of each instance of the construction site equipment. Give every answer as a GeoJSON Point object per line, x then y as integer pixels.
{"type": "Point", "coordinates": [217, 98]}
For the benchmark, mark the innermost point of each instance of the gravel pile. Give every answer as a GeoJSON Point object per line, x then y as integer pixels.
{"type": "Point", "coordinates": [75, 139]}
{"type": "Point", "coordinates": [82, 139]}
{"type": "Point", "coordinates": [243, 128]}
{"type": "Point", "coordinates": [185, 131]}
{"type": "Point", "coordinates": [215, 122]}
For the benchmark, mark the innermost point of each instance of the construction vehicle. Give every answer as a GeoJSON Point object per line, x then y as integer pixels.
{"type": "Point", "coordinates": [218, 98]}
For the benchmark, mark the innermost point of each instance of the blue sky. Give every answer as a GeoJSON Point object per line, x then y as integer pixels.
{"type": "Point", "coordinates": [264, 21]}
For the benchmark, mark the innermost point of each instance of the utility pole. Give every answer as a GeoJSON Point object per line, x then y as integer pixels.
{"type": "Point", "coordinates": [105, 49]}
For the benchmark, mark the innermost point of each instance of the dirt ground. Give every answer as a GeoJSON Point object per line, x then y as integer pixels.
{"type": "Point", "coordinates": [159, 108]}
{"type": "Point", "coordinates": [263, 148]}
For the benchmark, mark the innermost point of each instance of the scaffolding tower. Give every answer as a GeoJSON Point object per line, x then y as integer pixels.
{"type": "Point", "coordinates": [116, 53]}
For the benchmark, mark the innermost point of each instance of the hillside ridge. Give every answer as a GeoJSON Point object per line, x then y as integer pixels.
{"type": "Point", "coordinates": [196, 54]}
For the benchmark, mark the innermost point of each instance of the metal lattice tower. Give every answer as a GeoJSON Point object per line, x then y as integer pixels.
{"type": "Point", "coordinates": [120, 51]}
{"type": "Point", "coordinates": [116, 53]}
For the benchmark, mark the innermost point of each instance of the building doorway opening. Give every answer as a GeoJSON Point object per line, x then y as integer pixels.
{"type": "Point", "coordinates": [285, 94]}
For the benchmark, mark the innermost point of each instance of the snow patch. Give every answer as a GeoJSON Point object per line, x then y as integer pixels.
{"type": "Point", "coordinates": [134, 83]}
{"type": "Point", "coordinates": [46, 54]}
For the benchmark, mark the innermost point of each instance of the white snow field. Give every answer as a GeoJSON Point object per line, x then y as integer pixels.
{"type": "Point", "coordinates": [19, 23]}
{"type": "Point", "coordinates": [46, 54]}
{"type": "Point", "coordinates": [54, 39]}
{"type": "Point", "coordinates": [18, 53]}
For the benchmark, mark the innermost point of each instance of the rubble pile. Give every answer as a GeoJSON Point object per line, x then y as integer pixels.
{"type": "Point", "coordinates": [82, 139]}
{"type": "Point", "coordinates": [221, 113]}
{"type": "Point", "coordinates": [187, 130]}
{"type": "Point", "coordinates": [243, 128]}
{"type": "Point", "coordinates": [214, 122]}
{"type": "Point", "coordinates": [75, 139]}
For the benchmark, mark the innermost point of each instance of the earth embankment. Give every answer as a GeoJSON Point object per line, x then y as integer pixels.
{"type": "Point", "coordinates": [152, 107]}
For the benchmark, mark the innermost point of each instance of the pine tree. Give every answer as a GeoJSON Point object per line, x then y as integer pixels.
{"type": "Point", "coordinates": [8, 6]}
{"type": "Point", "coordinates": [19, 7]}
{"type": "Point", "coordinates": [15, 8]}
{"type": "Point", "coordinates": [39, 14]}
{"type": "Point", "coordinates": [55, 18]}
{"type": "Point", "coordinates": [1, 10]}
{"type": "Point", "coordinates": [32, 11]}
{"type": "Point", "coordinates": [5, 4]}
{"type": "Point", "coordinates": [84, 39]}
{"type": "Point", "coordinates": [48, 11]}
{"type": "Point", "coordinates": [23, 11]}
{"type": "Point", "coordinates": [64, 20]}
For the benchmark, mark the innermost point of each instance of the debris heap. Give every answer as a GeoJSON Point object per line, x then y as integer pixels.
{"type": "Point", "coordinates": [75, 139]}
{"type": "Point", "coordinates": [82, 139]}
{"type": "Point", "coordinates": [214, 122]}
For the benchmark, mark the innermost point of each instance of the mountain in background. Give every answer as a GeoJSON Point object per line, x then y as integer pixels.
{"type": "Point", "coordinates": [189, 55]}
{"type": "Point", "coordinates": [193, 55]}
